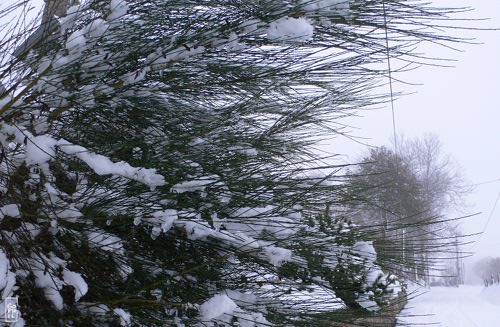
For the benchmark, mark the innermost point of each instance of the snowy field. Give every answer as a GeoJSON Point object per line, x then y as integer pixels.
{"type": "Point", "coordinates": [465, 306]}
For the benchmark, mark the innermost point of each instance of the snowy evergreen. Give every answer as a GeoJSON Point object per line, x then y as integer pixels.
{"type": "Point", "coordinates": [158, 163]}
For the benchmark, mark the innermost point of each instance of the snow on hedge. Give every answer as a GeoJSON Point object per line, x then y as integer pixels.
{"type": "Point", "coordinates": [341, 7]}
{"type": "Point", "coordinates": [11, 210]}
{"type": "Point", "coordinates": [7, 286]}
{"type": "Point", "coordinates": [247, 228]}
{"type": "Point", "coordinates": [39, 150]}
{"type": "Point", "coordinates": [290, 29]}
{"type": "Point", "coordinates": [7, 278]}
{"type": "Point", "coordinates": [125, 317]}
{"type": "Point", "coordinates": [222, 307]}
{"type": "Point", "coordinates": [217, 306]}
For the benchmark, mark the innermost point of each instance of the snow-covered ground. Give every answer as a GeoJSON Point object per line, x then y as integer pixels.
{"type": "Point", "coordinates": [464, 306]}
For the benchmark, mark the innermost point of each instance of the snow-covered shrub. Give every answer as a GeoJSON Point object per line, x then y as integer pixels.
{"type": "Point", "coordinates": [156, 161]}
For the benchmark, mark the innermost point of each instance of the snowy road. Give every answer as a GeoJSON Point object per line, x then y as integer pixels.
{"type": "Point", "coordinates": [466, 306]}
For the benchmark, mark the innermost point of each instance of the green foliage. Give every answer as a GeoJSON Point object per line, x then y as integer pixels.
{"type": "Point", "coordinates": [161, 153]}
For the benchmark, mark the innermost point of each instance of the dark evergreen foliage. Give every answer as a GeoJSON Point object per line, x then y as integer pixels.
{"type": "Point", "coordinates": [233, 206]}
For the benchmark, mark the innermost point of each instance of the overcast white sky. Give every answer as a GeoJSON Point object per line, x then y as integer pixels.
{"type": "Point", "coordinates": [462, 106]}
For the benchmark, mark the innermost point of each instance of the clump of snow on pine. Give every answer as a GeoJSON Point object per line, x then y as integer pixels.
{"type": "Point", "coordinates": [75, 279]}
{"type": "Point", "coordinates": [277, 255]}
{"type": "Point", "coordinates": [105, 241]}
{"type": "Point", "coordinates": [32, 229]}
{"type": "Point", "coordinates": [39, 150]}
{"type": "Point", "coordinates": [229, 44]}
{"type": "Point", "coordinates": [217, 306]}
{"type": "Point", "coordinates": [315, 298]}
{"type": "Point", "coordinates": [7, 287]}
{"type": "Point", "coordinates": [97, 27]}
{"type": "Point", "coordinates": [59, 61]}
{"type": "Point", "coordinates": [135, 77]}
{"type": "Point", "coordinates": [195, 185]}
{"type": "Point", "coordinates": [71, 213]}
{"type": "Point", "coordinates": [104, 166]}
{"type": "Point", "coordinates": [373, 275]}
{"type": "Point", "coordinates": [166, 218]}
{"type": "Point", "coordinates": [43, 65]}
{"type": "Point", "coordinates": [50, 285]}
{"type": "Point", "coordinates": [197, 141]}
{"type": "Point", "coordinates": [125, 317]}
{"type": "Point", "coordinates": [75, 42]}
{"type": "Point", "coordinates": [68, 21]}
{"type": "Point", "coordinates": [245, 218]}
{"type": "Point", "coordinates": [7, 277]}
{"type": "Point", "coordinates": [196, 230]}
{"type": "Point", "coordinates": [365, 250]}
{"type": "Point", "coordinates": [5, 99]}
{"type": "Point", "coordinates": [11, 210]}
{"type": "Point", "coordinates": [392, 284]}
{"type": "Point", "coordinates": [224, 306]}
{"type": "Point", "coordinates": [52, 192]}
{"type": "Point", "coordinates": [162, 221]}
{"type": "Point", "coordinates": [119, 8]}
{"type": "Point", "coordinates": [249, 151]}
{"type": "Point", "coordinates": [237, 296]}
{"type": "Point", "coordinates": [341, 7]}
{"type": "Point", "coordinates": [250, 26]}
{"type": "Point", "coordinates": [95, 309]}
{"type": "Point", "coordinates": [99, 239]}
{"type": "Point", "coordinates": [201, 183]}
{"type": "Point", "coordinates": [159, 57]}
{"type": "Point", "coordinates": [366, 302]}
{"type": "Point", "coordinates": [290, 29]}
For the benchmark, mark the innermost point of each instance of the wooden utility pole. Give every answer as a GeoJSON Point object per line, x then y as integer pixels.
{"type": "Point", "coordinates": [55, 8]}
{"type": "Point", "coordinates": [48, 26]}
{"type": "Point", "coordinates": [458, 263]}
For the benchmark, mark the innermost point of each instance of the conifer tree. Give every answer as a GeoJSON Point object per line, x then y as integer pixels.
{"type": "Point", "coordinates": [402, 200]}
{"type": "Point", "coordinates": [157, 162]}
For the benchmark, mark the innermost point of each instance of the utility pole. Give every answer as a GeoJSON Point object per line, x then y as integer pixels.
{"type": "Point", "coordinates": [457, 263]}
{"type": "Point", "coordinates": [55, 8]}
{"type": "Point", "coordinates": [48, 27]}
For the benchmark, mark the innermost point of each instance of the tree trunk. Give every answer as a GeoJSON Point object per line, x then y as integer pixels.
{"type": "Point", "coordinates": [56, 8]}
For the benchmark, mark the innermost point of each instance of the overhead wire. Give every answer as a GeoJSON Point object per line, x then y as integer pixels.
{"type": "Point", "coordinates": [489, 219]}
{"type": "Point", "coordinates": [491, 181]}
{"type": "Point", "coordinates": [390, 79]}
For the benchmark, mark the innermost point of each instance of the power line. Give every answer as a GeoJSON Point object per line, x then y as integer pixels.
{"type": "Point", "coordinates": [389, 69]}
{"type": "Point", "coordinates": [489, 218]}
{"type": "Point", "coordinates": [486, 182]}
{"type": "Point", "coordinates": [390, 80]}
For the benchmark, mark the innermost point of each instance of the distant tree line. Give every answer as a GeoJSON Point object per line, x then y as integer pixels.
{"type": "Point", "coordinates": [488, 269]}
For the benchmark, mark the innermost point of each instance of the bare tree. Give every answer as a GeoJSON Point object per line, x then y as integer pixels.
{"type": "Point", "coordinates": [403, 199]}
{"type": "Point", "coordinates": [488, 269]}
{"type": "Point", "coordinates": [442, 183]}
